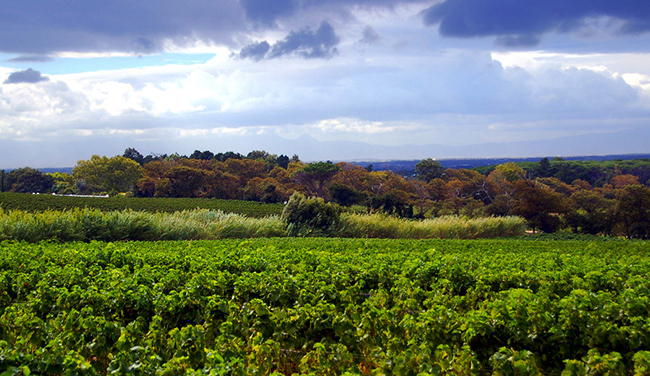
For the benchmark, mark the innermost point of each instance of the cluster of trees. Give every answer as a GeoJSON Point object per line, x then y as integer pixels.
{"type": "Point", "coordinates": [596, 173]}
{"type": "Point", "coordinates": [620, 205]}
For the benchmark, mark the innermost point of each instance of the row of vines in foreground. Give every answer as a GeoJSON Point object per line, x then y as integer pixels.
{"type": "Point", "coordinates": [326, 306]}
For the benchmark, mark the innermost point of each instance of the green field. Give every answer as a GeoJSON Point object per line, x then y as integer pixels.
{"type": "Point", "coordinates": [326, 306]}
{"type": "Point", "coordinates": [34, 203]}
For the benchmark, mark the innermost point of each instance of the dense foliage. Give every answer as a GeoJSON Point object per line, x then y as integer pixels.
{"type": "Point", "coordinates": [585, 197]}
{"type": "Point", "coordinates": [33, 203]}
{"type": "Point", "coordinates": [326, 307]}
{"type": "Point", "coordinates": [596, 173]}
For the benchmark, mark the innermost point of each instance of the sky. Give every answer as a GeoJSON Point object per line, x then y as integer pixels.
{"type": "Point", "coordinates": [324, 79]}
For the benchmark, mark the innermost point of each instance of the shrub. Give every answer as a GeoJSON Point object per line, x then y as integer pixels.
{"type": "Point", "coordinates": [310, 216]}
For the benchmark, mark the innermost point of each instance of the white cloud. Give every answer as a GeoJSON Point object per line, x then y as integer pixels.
{"type": "Point", "coordinates": [425, 93]}
{"type": "Point", "coordinates": [402, 99]}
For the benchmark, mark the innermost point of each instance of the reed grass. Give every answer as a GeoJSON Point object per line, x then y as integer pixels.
{"type": "Point", "coordinates": [93, 224]}
{"type": "Point", "coordinates": [448, 227]}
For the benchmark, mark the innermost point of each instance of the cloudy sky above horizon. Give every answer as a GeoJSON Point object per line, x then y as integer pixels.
{"type": "Point", "coordinates": [82, 77]}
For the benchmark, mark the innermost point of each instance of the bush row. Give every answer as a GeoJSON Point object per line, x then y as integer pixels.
{"type": "Point", "coordinates": [34, 203]}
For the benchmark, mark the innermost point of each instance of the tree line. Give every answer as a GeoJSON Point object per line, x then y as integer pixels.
{"type": "Point", "coordinates": [615, 202]}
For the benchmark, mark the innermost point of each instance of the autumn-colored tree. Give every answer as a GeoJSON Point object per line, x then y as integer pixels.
{"type": "Point", "coordinates": [423, 197]}
{"type": "Point", "coordinates": [621, 181]}
{"type": "Point", "coordinates": [150, 184]}
{"type": "Point", "coordinates": [245, 169]}
{"type": "Point", "coordinates": [557, 185]}
{"type": "Point", "coordinates": [286, 185]}
{"type": "Point", "coordinates": [186, 182]}
{"type": "Point", "coordinates": [539, 205]}
{"type": "Point", "coordinates": [223, 185]}
{"type": "Point", "coordinates": [580, 184]}
{"type": "Point", "coordinates": [437, 189]}
{"type": "Point", "coordinates": [398, 184]}
{"type": "Point", "coordinates": [263, 190]}
{"type": "Point", "coordinates": [353, 176]}
{"type": "Point", "coordinates": [501, 193]}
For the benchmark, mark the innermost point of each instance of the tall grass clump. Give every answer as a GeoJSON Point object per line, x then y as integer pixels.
{"type": "Point", "coordinates": [93, 224]}
{"type": "Point", "coordinates": [215, 224]}
{"type": "Point", "coordinates": [448, 227]}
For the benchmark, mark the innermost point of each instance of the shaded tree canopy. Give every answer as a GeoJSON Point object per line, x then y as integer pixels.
{"type": "Point", "coordinates": [133, 155]}
{"type": "Point", "coordinates": [27, 180]}
{"type": "Point", "coordinates": [315, 175]}
{"type": "Point", "coordinates": [429, 169]}
{"type": "Point", "coordinates": [633, 209]}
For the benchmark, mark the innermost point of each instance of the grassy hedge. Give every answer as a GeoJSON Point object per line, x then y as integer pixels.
{"type": "Point", "coordinates": [93, 224]}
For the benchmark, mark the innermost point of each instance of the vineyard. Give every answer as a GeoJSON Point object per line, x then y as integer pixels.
{"type": "Point", "coordinates": [26, 202]}
{"type": "Point", "coordinates": [326, 307]}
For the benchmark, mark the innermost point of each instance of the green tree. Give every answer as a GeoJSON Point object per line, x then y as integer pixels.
{"type": "Point", "coordinates": [113, 175]}
{"type": "Point", "coordinates": [511, 171]}
{"type": "Point", "coordinates": [591, 213]}
{"type": "Point", "coordinates": [544, 168]}
{"type": "Point", "coordinates": [314, 176]}
{"type": "Point", "coordinates": [429, 169]}
{"type": "Point", "coordinates": [64, 183]}
{"type": "Point", "coordinates": [28, 180]}
{"type": "Point", "coordinates": [203, 155]}
{"type": "Point", "coordinates": [134, 155]}
{"type": "Point", "coordinates": [346, 196]}
{"type": "Point", "coordinates": [633, 210]}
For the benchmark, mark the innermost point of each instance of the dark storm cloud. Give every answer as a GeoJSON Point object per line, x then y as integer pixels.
{"type": "Point", "coordinates": [521, 22]}
{"type": "Point", "coordinates": [305, 43]}
{"type": "Point", "coordinates": [255, 51]}
{"type": "Point", "coordinates": [36, 27]}
{"type": "Point", "coordinates": [27, 76]}
{"type": "Point", "coordinates": [266, 12]}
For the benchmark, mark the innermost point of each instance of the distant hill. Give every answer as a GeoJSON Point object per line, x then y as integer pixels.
{"type": "Point", "coordinates": [49, 169]}
{"type": "Point", "coordinates": [406, 168]}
